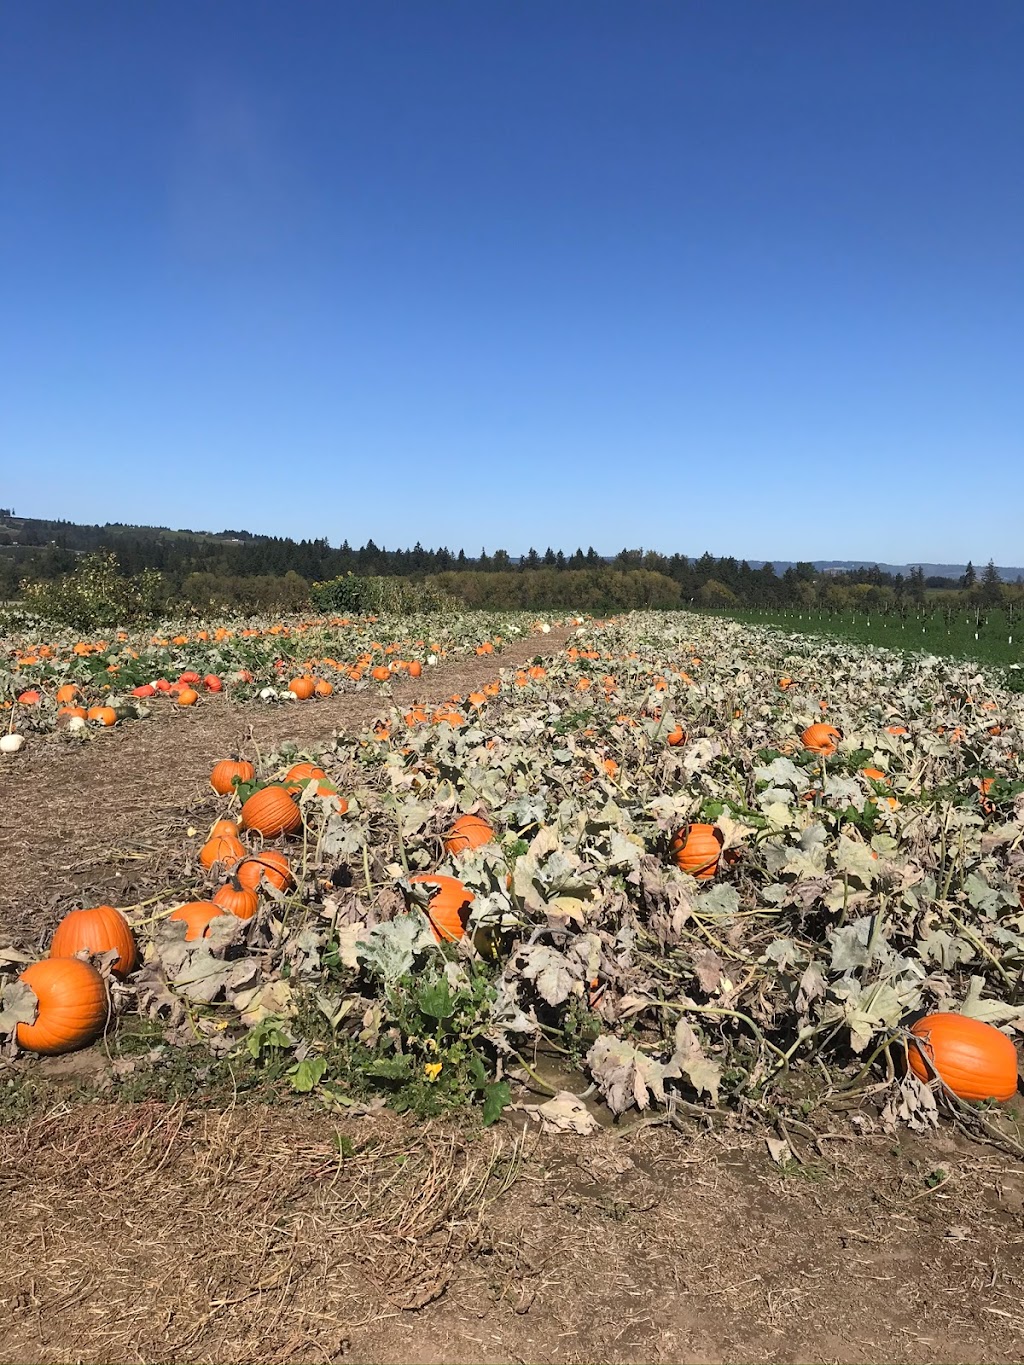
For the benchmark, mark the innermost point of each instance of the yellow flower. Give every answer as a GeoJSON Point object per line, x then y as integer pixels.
{"type": "Point", "coordinates": [432, 1070]}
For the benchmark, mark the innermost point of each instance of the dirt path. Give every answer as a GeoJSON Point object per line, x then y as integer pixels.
{"type": "Point", "coordinates": [246, 1237]}
{"type": "Point", "coordinates": [100, 819]}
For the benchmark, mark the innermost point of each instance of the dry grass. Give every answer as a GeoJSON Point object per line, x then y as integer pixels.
{"type": "Point", "coordinates": [156, 1233]}
{"type": "Point", "coordinates": [162, 1233]}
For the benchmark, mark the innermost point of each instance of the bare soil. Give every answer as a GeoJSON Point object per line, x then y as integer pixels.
{"type": "Point", "coordinates": [162, 1233]}
{"type": "Point", "coordinates": [208, 1232]}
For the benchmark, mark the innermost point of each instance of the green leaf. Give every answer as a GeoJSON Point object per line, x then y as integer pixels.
{"type": "Point", "coordinates": [435, 999]}
{"type": "Point", "coordinates": [496, 1096]}
{"type": "Point", "coordinates": [307, 1073]}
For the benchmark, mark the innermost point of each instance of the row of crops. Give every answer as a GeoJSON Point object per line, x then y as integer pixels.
{"type": "Point", "coordinates": [684, 860]}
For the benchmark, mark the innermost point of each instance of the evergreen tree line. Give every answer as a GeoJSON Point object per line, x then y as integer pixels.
{"type": "Point", "coordinates": [236, 569]}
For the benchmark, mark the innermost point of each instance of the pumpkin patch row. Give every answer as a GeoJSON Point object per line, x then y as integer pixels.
{"type": "Point", "coordinates": [807, 853]}
{"type": "Point", "coordinates": [298, 659]}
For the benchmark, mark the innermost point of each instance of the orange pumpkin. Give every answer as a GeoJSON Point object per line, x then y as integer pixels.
{"type": "Point", "coordinates": [96, 931]}
{"type": "Point", "coordinates": [415, 669]}
{"type": "Point", "coordinates": [338, 804]}
{"type": "Point", "coordinates": [268, 864]}
{"type": "Point", "coordinates": [102, 715]}
{"type": "Point", "coordinates": [873, 774]}
{"type": "Point", "coordinates": [226, 850]}
{"type": "Point", "coordinates": [235, 899]}
{"type": "Point", "coordinates": [188, 696]}
{"type": "Point", "coordinates": [223, 829]}
{"type": "Point", "coordinates": [71, 1005]}
{"type": "Point", "coordinates": [972, 1058]}
{"type": "Point", "coordinates": [302, 688]}
{"type": "Point", "coordinates": [30, 697]}
{"type": "Point", "coordinates": [821, 738]}
{"type": "Point", "coordinates": [67, 694]}
{"type": "Point", "coordinates": [676, 736]}
{"type": "Point", "coordinates": [197, 916]}
{"type": "Point", "coordinates": [71, 712]}
{"type": "Point", "coordinates": [449, 906]}
{"type": "Point", "coordinates": [323, 688]}
{"type": "Point", "coordinates": [301, 772]}
{"type": "Point", "coordinates": [696, 849]}
{"type": "Point", "coordinates": [380, 673]}
{"type": "Point", "coordinates": [468, 831]}
{"type": "Point", "coordinates": [229, 771]}
{"type": "Point", "coordinates": [271, 811]}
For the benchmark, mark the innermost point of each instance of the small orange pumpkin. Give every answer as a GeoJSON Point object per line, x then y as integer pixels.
{"type": "Point", "coordinates": [102, 715]}
{"type": "Point", "coordinates": [268, 864]}
{"type": "Point", "coordinates": [229, 771]}
{"type": "Point", "coordinates": [271, 811]}
{"type": "Point", "coordinates": [67, 694]}
{"type": "Point", "coordinates": [223, 849]}
{"type": "Point", "coordinates": [380, 673]}
{"type": "Point", "coordinates": [974, 1059]}
{"type": "Point", "coordinates": [71, 1005]}
{"type": "Point", "coordinates": [223, 829]}
{"type": "Point", "coordinates": [449, 906]}
{"type": "Point", "coordinates": [236, 899]}
{"type": "Point", "coordinates": [188, 696]}
{"type": "Point", "coordinates": [197, 916]}
{"type": "Point", "coordinates": [302, 688]}
{"type": "Point", "coordinates": [415, 669]}
{"type": "Point", "coordinates": [676, 736]}
{"type": "Point", "coordinates": [696, 849]}
{"type": "Point", "coordinates": [301, 772]}
{"type": "Point", "coordinates": [468, 831]}
{"type": "Point", "coordinates": [821, 738]}
{"type": "Point", "coordinates": [96, 931]}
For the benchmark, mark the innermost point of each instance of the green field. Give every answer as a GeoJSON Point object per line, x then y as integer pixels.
{"type": "Point", "coordinates": [995, 637]}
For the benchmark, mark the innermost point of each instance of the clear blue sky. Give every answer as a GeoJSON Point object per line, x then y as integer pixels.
{"type": "Point", "coordinates": [745, 276]}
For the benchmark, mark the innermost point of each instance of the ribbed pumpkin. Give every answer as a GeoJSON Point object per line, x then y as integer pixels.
{"type": "Point", "coordinates": [268, 864]}
{"type": "Point", "coordinates": [323, 688]}
{"type": "Point", "coordinates": [696, 849]}
{"type": "Point", "coordinates": [71, 1008]}
{"type": "Point", "coordinates": [821, 739]}
{"type": "Point", "coordinates": [223, 829]}
{"type": "Point", "coordinates": [196, 916]}
{"type": "Point", "coordinates": [301, 772]}
{"type": "Point", "coordinates": [271, 811]}
{"type": "Point", "coordinates": [96, 931]}
{"type": "Point", "coordinates": [301, 688]}
{"type": "Point", "coordinates": [227, 772]}
{"type": "Point", "coordinates": [224, 850]}
{"type": "Point", "coordinates": [974, 1059]}
{"type": "Point", "coordinates": [235, 899]}
{"type": "Point", "coordinates": [468, 831]}
{"type": "Point", "coordinates": [449, 906]}
{"type": "Point", "coordinates": [380, 673]}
